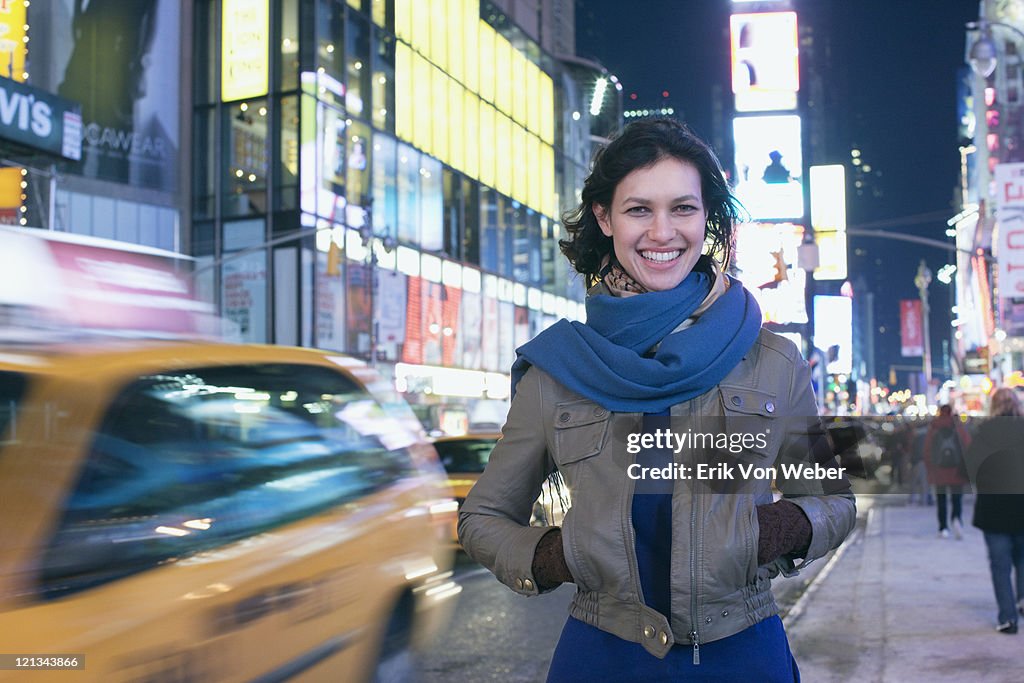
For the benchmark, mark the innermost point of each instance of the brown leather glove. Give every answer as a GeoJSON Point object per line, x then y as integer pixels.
{"type": "Point", "coordinates": [784, 530]}
{"type": "Point", "coordinates": [549, 567]}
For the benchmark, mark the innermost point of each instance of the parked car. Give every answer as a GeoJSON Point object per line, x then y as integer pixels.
{"type": "Point", "coordinates": [464, 459]}
{"type": "Point", "coordinates": [201, 511]}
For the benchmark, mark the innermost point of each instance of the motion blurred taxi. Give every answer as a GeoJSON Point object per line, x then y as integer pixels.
{"type": "Point", "coordinates": [186, 510]}
{"type": "Point", "coordinates": [197, 511]}
{"type": "Point", "coordinates": [464, 458]}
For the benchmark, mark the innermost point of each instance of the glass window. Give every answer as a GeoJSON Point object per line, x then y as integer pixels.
{"type": "Point", "coordinates": [452, 214]}
{"type": "Point", "coordinates": [383, 14]}
{"type": "Point", "coordinates": [547, 109]}
{"type": "Point", "coordinates": [422, 72]}
{"type": "Point", "coordinates": [404, 19]}
{"type": "Point", "coordinates": [333, 130]}
{"type": "Point", "coordinates": [533, 182]}
{"type": "Point", "coordinates": [518, 86]}
{"type": "Point", "coordinates": [503, 154]}
{"type": "Point", "coordinates": [288, 163]}
{"type": "Point", "coordinates": [190, 460]}
{"type": "Point", "coordinates": [535, 241]}
{"type": "Point", "coordinates": [486, 61]}
{"type": "Point", "coordinates": [439, 32]}
{"type": "Point", "coordinates": [12, 389]}
{"type": "Point", "coordinates": [244, 281]}
{"type": "Point", "coordinates": [488, 229]}
{"type": "Point", "coordinates": [357, 44]}
{"type": "Point", "coordinates": [439, 114]}
{"type": "Point", "coordinates": [385, 185]}
{"type": "Point", "coordinates": [245, 173]}
{"type": "Point", "coordinates": [431, 204]}
{"type": "Point", "coordinates": [471, 134]}
{"type": "Point", "coordinates": [520, 242]}
{"type": "Point", "coordinates": [357, 176]}
{"type": "Point", "coordinates": [289, 68]}
{"type": "Point", "coordinates": [203, 238]}
{"type": "Point", "coordinates": [507, 216]}
{"type": "Point", "coordinates": [502, 74]}
{"type": "Point", "coordinates": [471, 226]}
{"type": "Point", "coordinates": [519, 171]}
{"type": "Point", "coordinates": [359, 305]}
{"type": "Point", "coordinates": [488, 142]}
{"type": "Point", "coordinates": [408, 194]}
{"type": "Point", "coordinates": [453, 39]}
{"type": "Point", "coordinates": [330, 299]}
{"type": "Point", "coordinates": [420, 28]}
{"type": "Point", "coordinates": [532, 85]}
{"type": "Point", "coordinates": [330, 53]}
{"type": "Point", "coordinates": [404, 93]}
{"type": "Point", "coordinates": [456, 127]}
{"type": "Point", "coordinates": [383, 82]}
{"type": "Point", "coordinates": [471, 46]}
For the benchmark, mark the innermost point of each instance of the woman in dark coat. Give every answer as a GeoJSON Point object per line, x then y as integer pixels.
{"type": "Point", "coordinates": [996, 464]}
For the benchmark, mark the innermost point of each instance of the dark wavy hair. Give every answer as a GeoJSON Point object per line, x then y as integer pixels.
{"type": "Point", "coordinates": [639, 145]}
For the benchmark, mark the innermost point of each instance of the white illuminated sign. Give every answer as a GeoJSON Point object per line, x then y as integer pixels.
{"type": "Point", "coordinates": [765, 61]}
{"type": "Point", "coordinates": [769, 166]}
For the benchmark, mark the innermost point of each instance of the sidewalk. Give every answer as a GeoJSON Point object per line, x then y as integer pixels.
{"type": "Point", "coordinates": [900, 605]}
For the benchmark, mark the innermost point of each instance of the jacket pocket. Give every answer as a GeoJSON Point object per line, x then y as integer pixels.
{"type": "Point", "coordinates": [581, 428]}
{"type": "Point", "coordinates": [751, 421]}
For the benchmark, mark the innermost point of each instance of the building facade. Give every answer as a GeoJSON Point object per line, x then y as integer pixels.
{"type": "Point", "coordinates": [385, 178]}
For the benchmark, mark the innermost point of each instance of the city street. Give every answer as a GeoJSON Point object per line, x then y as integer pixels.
{"type": "Point", "coordinates": [894, 603]}
{"type": "Point", "coordinates": [497, 635]}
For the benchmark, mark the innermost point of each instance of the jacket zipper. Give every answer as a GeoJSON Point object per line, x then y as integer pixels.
{"type": "Point", "coordinates": [694, 636]}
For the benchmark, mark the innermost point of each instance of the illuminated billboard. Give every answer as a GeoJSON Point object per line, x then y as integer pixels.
{"type": "Point", "coordinates": [828, 218]}
{"type": "Point", "coordinates": [833, 331]}
{"type": "Point", "coordinates": [769, 165]}
{"type": "Point", "coordinates": [765, 61]}
{"type": "Point", "coordinates": [245, 53]}
{"type": "Point", "coordinates": [766, 264]}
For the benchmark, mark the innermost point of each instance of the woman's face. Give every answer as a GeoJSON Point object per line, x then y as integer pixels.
{"type": "Point", "coordinates": [656, 221]}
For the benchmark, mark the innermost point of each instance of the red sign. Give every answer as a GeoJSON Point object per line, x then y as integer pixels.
{"type": "Point", "coordinates": [911, 328]}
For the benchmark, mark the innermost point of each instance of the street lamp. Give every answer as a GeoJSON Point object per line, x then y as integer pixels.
{"type": "Point", "coordinates": [921, 281]}
{"type": "Point", "coordinates": [983, 55]}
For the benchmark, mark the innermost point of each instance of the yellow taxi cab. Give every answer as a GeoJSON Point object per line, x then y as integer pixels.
{"type": "Point", "coordinates": [464, 458]}
{"type": "Point", "coordinates": [184, 511]}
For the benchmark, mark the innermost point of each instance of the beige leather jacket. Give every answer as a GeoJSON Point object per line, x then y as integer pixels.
{"type": "Point", "coordinates": [717, 588]}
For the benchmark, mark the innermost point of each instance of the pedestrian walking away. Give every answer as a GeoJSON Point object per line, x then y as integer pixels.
{"type": "Point", "coordinates": [944, 448]}
{"type": "Point", "coordinates": [673, 574]}
{"type": "Point", "coordinates": [995, 462]}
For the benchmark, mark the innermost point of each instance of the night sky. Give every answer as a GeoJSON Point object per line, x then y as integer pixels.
{"type": "Point", "coordinates": [890, 72]}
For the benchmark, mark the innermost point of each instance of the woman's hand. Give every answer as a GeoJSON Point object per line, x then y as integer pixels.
{"type": "Point", "coordinates": [549, 567]}
{"type": "Point", "coordinates": [783, 530]}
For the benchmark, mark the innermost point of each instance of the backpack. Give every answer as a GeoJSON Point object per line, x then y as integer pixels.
{"type": "Point", "coordinates": [946, 449]}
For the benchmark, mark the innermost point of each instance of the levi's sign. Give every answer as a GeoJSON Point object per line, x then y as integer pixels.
{"type": "Point", "coordinates": [37, 119]}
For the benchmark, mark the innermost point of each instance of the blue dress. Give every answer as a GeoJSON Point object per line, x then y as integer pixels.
{"type": "Point", "coordinates": [585, 653]}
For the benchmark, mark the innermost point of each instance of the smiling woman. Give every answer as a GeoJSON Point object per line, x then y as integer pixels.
{"type": "Point", "coordinates": [673, 576]}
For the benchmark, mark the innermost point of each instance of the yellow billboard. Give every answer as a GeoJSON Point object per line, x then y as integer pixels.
{"type": "Point", "coordinates": [12, 40]}
{"type": "Point", "coordinates": [245, 51]}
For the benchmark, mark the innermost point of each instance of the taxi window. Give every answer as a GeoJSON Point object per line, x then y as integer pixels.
{"type": "Point", "coordinates": [187, 461]}
{"type": "Point", "coordinates": [12, 388]}
{"type": "Point", "coordinates": [465, 455]}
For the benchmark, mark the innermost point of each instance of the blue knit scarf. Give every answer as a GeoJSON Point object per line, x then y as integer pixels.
{"type": "Point", "coordinates": [604, 359]}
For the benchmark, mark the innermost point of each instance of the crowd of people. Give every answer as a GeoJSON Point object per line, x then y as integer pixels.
{"type": "Point", "coordinates": [941, 460]}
